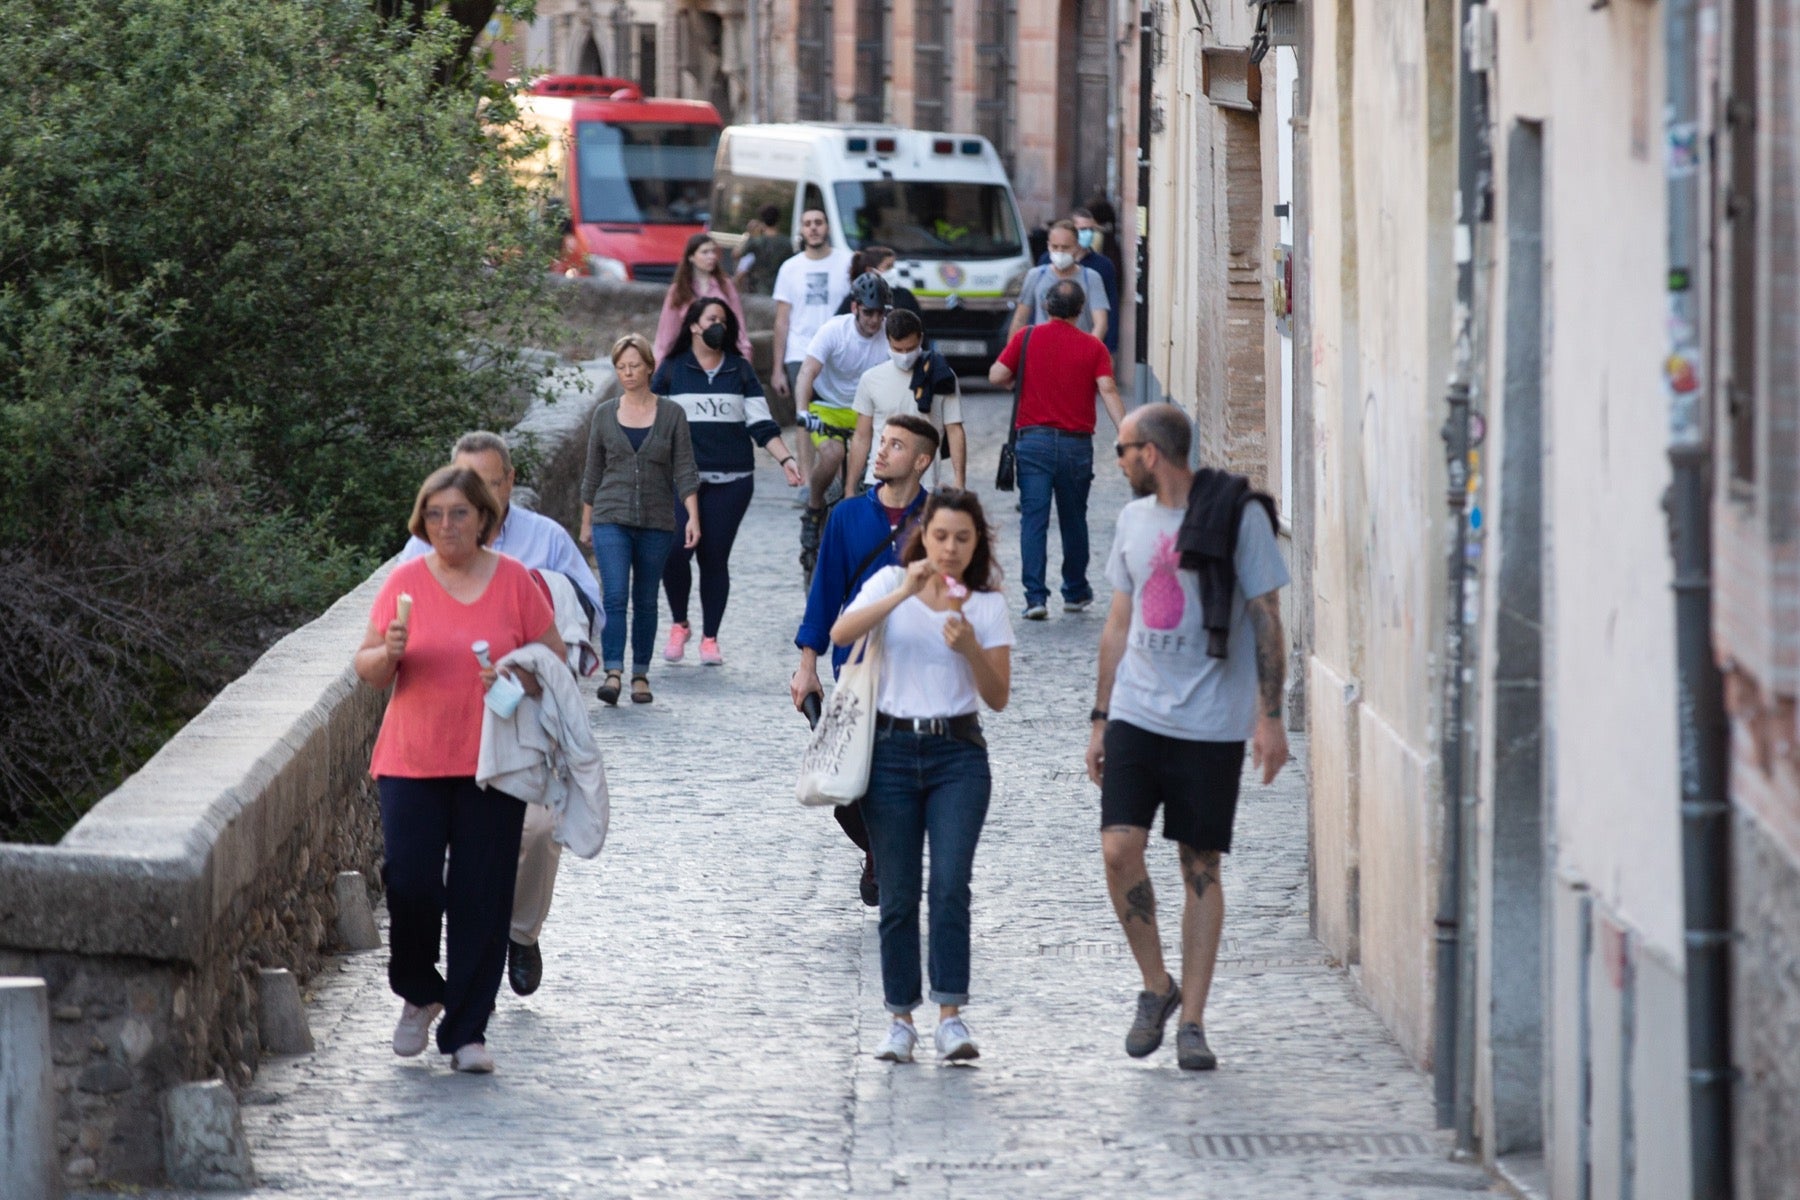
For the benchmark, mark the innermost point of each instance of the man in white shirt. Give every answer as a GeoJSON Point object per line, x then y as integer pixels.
{"type": "Point", "coordinates": [825, 392]}
{"type": "Point", "coordinates": [917, 381]}
{"type": "Point", "coordinates": [543, 545]}
{"type": "Point", "coordinates": [809, 287]}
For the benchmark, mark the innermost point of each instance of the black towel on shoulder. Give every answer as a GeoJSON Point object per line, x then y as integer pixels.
{"type": "Point", "coordinates": [1208, 545]}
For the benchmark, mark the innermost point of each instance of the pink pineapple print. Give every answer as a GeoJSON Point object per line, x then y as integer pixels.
{"type": "Point", "coordinates": [1163, 601]}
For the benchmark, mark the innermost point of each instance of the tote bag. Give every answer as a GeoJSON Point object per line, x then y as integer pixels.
{"type": "Point", "coordinates": [835, 767]}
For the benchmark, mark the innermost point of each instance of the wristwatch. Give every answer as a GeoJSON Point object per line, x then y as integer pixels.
{"type": "Point", "coordinates": [1098, 714]}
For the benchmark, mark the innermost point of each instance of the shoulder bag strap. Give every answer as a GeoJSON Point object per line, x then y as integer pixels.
{"type": "Point", "coordinates": [1012, 430]}
{"type": "Point", "coordinates": [874, 554]}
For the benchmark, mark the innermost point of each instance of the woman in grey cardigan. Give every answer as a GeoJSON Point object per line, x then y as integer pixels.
{"type": "Point", "coordinates": [639, 452]}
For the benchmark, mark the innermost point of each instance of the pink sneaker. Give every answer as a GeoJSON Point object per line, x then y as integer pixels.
{"type": "Point", "coordinates": [678, 640]}
{"type": "Point", "coordinates": [709, 653]}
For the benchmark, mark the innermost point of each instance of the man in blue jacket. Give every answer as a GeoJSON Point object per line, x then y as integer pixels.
{"type": "Point", "coordinates": [863, 535]}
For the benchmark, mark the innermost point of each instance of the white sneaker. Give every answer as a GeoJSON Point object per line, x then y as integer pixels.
{"type": "Point", "coordinates": [954, 1042]}
{"type": "Point", "coordinates": [1037, 612]}
{"type": "Point", "coordinates": [474, 1059]}
{"type": "Point", "coordinates": [901, 1039]}
{"type": "Point", "coordinates": [413, 1032]}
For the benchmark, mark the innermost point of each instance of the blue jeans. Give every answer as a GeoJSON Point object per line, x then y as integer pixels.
{"type": "Point", "coordinates": [1051, 465]}
{"type": "Point", "coordinates": [631, 562]}
{"type": "Point", "coordinates": [925, 785]}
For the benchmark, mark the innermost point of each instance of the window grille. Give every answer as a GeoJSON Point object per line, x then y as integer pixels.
{"type": "Point", "coordinates": [812, 45]}
{"type": "Point", "coordinates": [996, 23]}
{"type": "Point", "coordinates": [871, 60]}
{"type": "Point", "coordinates": [933, 59]}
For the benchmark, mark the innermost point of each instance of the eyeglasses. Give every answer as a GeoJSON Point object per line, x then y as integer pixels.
{"type": "Point", "coordinates": [1119, 448]}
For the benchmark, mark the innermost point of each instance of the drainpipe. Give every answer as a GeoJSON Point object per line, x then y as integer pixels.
{"type": "Point", "coordinates": [1452, 1082]}
{"type": "Point", "coordinates": [1705, 808]}
{"type": "Point", "coordinates": [1146, 98]}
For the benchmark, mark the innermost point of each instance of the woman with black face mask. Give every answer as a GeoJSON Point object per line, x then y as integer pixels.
{"type": "Point", "coordinates": [728, 418]}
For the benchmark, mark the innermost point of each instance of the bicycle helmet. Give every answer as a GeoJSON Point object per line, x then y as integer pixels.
{"type": "Point", "coordinates": [872, 291]}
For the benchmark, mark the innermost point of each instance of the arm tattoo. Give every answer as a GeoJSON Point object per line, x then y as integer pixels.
{"type": "Point", "coordinates": [1271, 655]}
{"type": "Point", "coordinates": [1140, 903]}
{"type": "Point", "coordinates": [1201, 870]}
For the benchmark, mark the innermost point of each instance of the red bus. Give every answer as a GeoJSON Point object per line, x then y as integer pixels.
{"type": "Point", "coordinates": [635, 172]}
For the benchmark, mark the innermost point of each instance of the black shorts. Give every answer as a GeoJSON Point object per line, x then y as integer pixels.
{"type": "Point", "coordinates": [1194, 783]}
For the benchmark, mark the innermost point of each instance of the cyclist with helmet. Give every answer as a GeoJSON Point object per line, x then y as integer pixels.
{"type": "Point", "coordinates": [825, 393]}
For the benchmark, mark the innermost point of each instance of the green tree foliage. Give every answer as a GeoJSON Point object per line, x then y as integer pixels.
{"type": "Point", "coordinates": [259, 263]}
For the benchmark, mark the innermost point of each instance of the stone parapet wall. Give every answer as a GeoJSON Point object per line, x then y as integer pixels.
{"type": "Point", "coordinates": [151, 919]}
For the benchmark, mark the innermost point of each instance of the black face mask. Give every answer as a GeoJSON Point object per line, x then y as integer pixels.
{"type": "Point", "coordinates": [714, 336]}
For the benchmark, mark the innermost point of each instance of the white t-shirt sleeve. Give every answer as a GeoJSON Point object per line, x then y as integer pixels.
{"type": "Point", "coordinates": [788, 286]}
{"type": "Point", "coordinates": [1118, 571]}
{"type": "Point", "coordinates": [824, 342]}
{"type": "Point", "coordinates": [986, 613]}
{"type": "Point", "coordinates": [864, 403]}
{"type": "Point", "coordinates": [880, 584]}
{"type": "Point", "coordinates": [951, 406]}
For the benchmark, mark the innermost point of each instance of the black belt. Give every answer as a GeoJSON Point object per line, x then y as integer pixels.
{"type": "Point", "coordinates": [965, 728]}
{"type": "Point", "coordinates": [1068, 433]}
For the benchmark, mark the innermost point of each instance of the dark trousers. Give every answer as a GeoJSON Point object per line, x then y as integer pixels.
{"type": "Point", "coordinates": [850, 820]}
{"type": "Point", "coordinates": [422, 820]}
{"type": "Point", "coordinates": [722, 509]}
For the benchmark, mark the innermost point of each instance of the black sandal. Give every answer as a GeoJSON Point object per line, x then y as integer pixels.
{"type": "Point", "coordinates": [609, 689]}
{"type": "Point", "coordinates": [640, 689]}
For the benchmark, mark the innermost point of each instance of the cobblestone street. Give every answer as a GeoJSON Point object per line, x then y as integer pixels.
{"type": "Point", "coordinates": [712, 992]}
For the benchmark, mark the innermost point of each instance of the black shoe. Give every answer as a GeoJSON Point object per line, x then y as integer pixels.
{"type": "Point", "coordinates": [1191, 1050]}
{"type": "Point", "coordinates": [812, 521]}
{"type": "Point", "coordinates": [524, 967]}
{"type": "Point", "coordinates": [1153, 1013]}
{"type": "Point", "coordinates": [871, 891]}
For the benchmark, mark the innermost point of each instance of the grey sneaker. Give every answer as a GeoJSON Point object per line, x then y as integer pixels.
{"type": "Point", "coordinates": [901, 1039]}
{"type": "Point", "coordinates": [1074, 606]}
{"type": "Point", "coordinates": [1191, 1050]}
{"type": "Point", "coordinates": [1037, 612]}
{"type": "Point", "coordinates": [954, 1041]}
{"type": "Point", "coordinates": [1153, 1013]}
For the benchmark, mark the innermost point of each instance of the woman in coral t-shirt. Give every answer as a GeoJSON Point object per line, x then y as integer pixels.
{"type": "Point", "coordinates": [425, 758]}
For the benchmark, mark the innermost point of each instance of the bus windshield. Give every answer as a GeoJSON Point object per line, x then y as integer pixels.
{"type": "Point", "coordinates": [930, 220]}
{"type": "Point", "coordinates": [645, 173]}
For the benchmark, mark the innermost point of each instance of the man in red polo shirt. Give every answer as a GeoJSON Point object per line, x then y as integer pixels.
{"type": "Point", "coordinates": [1063, 368]}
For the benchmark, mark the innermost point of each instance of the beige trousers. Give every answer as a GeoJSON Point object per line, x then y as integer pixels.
{"type": "Point", "coordinates": [538, 856]}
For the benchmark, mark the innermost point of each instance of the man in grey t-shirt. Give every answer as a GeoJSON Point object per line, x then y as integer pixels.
{"type": "Point", "coordinates": [1062, 265]}
{"type": "Point", "coordinates": [1170, 721]}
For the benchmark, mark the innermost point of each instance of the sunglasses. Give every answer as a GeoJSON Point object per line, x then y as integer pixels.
{"type": "Point", "coordinates": [1119, 448]}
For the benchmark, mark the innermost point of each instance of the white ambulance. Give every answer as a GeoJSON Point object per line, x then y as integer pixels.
{"type": "Point", "coordinates": [942, 201]}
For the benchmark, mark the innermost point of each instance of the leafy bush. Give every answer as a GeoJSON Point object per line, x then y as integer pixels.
{"type": "Point", "coordinates": [258, 264]}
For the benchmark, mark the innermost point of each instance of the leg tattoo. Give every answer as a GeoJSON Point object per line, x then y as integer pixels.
{"type": "Point", "coordinates": [1140, 903]}
{"type": "Point", "coordinates": [1200, 869]}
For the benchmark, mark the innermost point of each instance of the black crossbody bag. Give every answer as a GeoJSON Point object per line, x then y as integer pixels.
{"type": "Point", "coordinates": [1007, 477]}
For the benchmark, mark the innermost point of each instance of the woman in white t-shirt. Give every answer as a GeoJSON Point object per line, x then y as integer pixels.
{"type": "Point", "coordinates": [946, 651]}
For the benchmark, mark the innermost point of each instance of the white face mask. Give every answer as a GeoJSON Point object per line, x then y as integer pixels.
{"type": "Point", "coordinates": [1061, 261]}
{"type": "Point", "coordinates": [904, 360]}
{"type": "Point", "coordinates": [892, 275]}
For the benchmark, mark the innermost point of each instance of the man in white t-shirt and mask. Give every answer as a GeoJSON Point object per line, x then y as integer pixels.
{"type": "Point", "coordinates": [917, 381]}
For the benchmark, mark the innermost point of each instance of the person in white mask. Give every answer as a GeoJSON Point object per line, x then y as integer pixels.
{"type": "Point", "coordinates": [1063, 265]}
{"type": "Point", "coordinates": [915, 380]}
